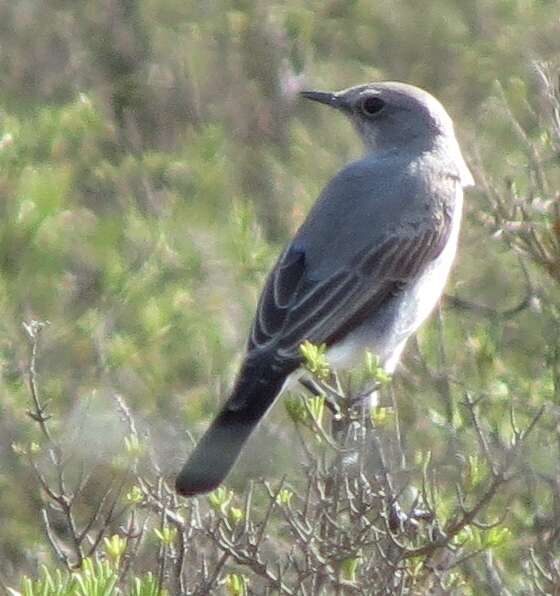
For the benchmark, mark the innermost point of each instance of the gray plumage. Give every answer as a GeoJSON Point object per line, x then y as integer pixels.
{"type": "Point", "coordinates": [364, 270]}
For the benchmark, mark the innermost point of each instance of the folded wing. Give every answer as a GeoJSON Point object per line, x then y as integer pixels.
{"type": "Point", "coordinates": [294, 307]}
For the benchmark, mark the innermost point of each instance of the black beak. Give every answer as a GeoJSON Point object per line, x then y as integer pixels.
{"type": "Point", "coordinates": [330, 99]}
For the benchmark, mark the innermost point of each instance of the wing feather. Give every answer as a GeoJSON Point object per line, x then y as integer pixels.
{"type": "Point", "coordinates": [294, 307]}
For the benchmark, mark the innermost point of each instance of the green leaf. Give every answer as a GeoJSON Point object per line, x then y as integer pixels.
{"type": "Point", "coordinates": [315, 359]}
{"type": "Point", "coordinates": [349, 568]}
{"type": "Point", "coordinates": [236, 584]}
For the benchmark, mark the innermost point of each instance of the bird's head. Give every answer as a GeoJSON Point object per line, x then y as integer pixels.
{"type": "Point", "coordinates": [395, 116]}
{"type": "Point", "coordinates": [388, 115]}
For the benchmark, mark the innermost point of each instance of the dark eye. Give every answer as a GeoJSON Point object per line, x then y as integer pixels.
{"type": "Point", "coordinates": [372, 105]}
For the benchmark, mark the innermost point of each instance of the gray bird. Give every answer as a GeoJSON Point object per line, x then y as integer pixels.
{"type": "Point", "coordinates": [363, 271]}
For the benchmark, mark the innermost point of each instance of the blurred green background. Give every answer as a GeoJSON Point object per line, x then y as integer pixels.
{"type": "Point", "coordinates": [155, 156]}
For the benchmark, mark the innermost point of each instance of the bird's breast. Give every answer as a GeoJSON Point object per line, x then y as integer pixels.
{"type": "Point", "coordinates": [423, 294]}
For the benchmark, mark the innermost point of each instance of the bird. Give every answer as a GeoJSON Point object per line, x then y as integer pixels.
{"type": "Point", "coordinates": [364, 270]}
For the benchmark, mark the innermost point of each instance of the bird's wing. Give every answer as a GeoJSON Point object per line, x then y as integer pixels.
{"type": "Point", "coordinates": [294, 307]}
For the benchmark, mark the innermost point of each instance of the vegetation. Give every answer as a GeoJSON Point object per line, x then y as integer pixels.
{"type": "Point", "coordinates": [154, 157]}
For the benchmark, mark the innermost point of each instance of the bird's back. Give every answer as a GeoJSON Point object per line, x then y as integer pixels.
{"type": "Point", "coordinates": [367, 201]}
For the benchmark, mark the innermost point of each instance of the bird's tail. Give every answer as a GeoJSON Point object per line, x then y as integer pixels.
{"type": "Point", "coordinates": [219, 448]}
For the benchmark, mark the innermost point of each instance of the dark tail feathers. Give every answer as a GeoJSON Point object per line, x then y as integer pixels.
{"type": "Point", "coordinates": [219, 448]}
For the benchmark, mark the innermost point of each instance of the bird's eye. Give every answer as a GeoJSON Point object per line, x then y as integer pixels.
{"type": "Point", "coordinates": [372, 105]}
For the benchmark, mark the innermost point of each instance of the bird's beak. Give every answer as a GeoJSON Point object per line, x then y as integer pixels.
{"type": "Point", "coordinates": [334, 100]}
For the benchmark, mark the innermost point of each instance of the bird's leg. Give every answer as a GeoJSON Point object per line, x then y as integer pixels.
{"type": "Point", "coordinates": [311, 386]}
{"type": "Point", "coordinates": [398, 519]}
{"type": "Point", "coordinates": [364, 398]}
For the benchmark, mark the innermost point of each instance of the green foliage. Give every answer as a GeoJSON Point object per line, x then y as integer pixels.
{"type": "Point", "coordinates": [115, 547]}
{"type": "Point", "coordinates": [307, 411]}
{"type": "Point", "coordinates": [220, 499]}
{"type": "Point", "coordinates": [236, 584]}
{"type": "Point", "coordinates": [98, 578]}
{"type": "Point", "coordinates": [375, 372]}
{"type": "Point", "coordinates": [315, 359]}
{"type": "Point", "coordinates": [349, 568]}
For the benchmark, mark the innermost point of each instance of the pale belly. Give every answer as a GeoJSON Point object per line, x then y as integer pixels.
{"type": "Point", "coordinates": [387, 330]}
